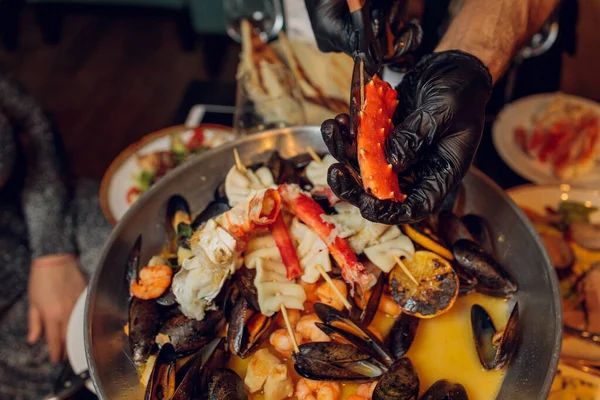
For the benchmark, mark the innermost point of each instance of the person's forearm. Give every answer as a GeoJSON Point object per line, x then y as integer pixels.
{"type": "Point", "coordinates": [494, 30]}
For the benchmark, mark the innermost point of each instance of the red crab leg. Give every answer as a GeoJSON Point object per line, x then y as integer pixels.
{"type": "Point", "coordinates": [374, 127]}
{"type": "Point", "coordinates": [286, 247]}
{"type": "Point", "coordinates": [309, 212]}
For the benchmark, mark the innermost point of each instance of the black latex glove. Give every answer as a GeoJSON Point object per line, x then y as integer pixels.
{"type": "Point", "coordinates": [438, 126]}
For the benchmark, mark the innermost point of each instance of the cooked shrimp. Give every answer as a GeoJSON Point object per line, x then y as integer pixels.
{"type": "Point", "coordinates": [328, 296]}
{"type": "Point", "coordinates": [152, 283]}
{"type": "Point", "coordinates": [293, 315]}
{"type": "Point", "coordinates": [309, 331]}
{"type": "Point", "coordinates": [311, 291]}
{"type": "Point", "coordinates": [282, 342]}
{"type": "Point", "coordinates": [366, 390]}
{"type": "Point", "coordinates": [307, 389]}
{"type": "Point", "coordinates": [388, 306]}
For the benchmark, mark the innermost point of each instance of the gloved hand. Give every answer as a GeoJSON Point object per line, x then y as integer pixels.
{"type": "Point", "coordinates": [438, 126]}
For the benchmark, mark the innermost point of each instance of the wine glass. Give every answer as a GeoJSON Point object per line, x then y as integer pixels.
{"type": "Point", "coordinates": [265, 15]}
{"type": "Point", "coordinates": [267, 97]}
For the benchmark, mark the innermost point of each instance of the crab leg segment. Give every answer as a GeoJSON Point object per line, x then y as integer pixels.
{"type": "Point", "coordinates": [374, 127]}
{"type": "Point", "coordinates": [286, 247]}
{"type": "Point", "coordinates": [309, 212]}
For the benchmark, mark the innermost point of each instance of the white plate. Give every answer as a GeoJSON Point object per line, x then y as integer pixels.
{"type": "Point", "coordinates": [519, 113]}
{"type": "Point", "coordinates": [118, 178]}
{"type": "Point", "coordinates": [538, 198]}
{"type": "Point", "coordinates": [75, 340]}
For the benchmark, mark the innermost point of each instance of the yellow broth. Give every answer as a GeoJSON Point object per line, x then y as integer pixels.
{"type": "Point", "coordinates": [443, 349]}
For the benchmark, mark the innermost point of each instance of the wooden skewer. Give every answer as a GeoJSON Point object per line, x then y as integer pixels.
{"type": "Point", "coordinates": [327, 278]}
{"type": "Point", "coordinates": [313, 154]}
{"type": "Point", "coordinates": [362, 86]}
{"type": "Point", "coordinates": [405, 269]}
{"type": "Point", "coordinates": [288, 325]}
{"type": "Point", "coordinates": [238, 162]}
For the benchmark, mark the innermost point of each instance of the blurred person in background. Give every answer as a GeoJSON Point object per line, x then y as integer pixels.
{"type": "Point", "coordinates": [42, 229]}
{"type": "Point", "coordinates": [441, 112]}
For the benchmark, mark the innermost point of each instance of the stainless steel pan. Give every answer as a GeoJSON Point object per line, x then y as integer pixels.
{"type": "Point", "coordinates": [518, 247]}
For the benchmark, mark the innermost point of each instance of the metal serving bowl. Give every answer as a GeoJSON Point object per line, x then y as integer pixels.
{"type": "Point", "coordinates": [518, 247]}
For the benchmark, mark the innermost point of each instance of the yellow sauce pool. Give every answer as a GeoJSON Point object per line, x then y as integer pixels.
{"type": "Point", "coordinates": [443, 349]}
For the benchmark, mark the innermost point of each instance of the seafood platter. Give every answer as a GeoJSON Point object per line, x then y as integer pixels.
{"type": "Point", "coordinates": [240, 275]}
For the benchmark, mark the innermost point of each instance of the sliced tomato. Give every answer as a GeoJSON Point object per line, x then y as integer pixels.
{"type": "Point", "coordinates": [374, 127]}
{"type": "Point", "coordinates": [286, 247]}
{"type": "Point", "coordinates": [132, 194]}
{"type": "Point", "coordinates": [197, 139]}
{"type": "Point", "coordinates": [521, 138]}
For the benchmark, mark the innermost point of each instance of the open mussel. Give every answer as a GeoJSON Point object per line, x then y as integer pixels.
{"type": "Point", "coordinates": [336, 322]}
{"type": "Point", "coordinates": [370, 302]}
{"type": "Point", "coordinates": [187, 334]}
{"type": "Point", "coordinates": [492, 278]}
{"type": "Point", "coordinates": [402, 334]}
{"type": "Point", "coordinates": [178, 218]}
{"type": "Point", "coordinates": [225, 384]}
{"type": "Point", "coordinates": [451, 228]}
{"type": "Point", "coordinates": [247, 328]}
{"type": "Point", "coordinates": [400, 382]}
{"type": "Point", "coordinates": [423, 235]}
{"type": "Point", "coordinates": [445, 390]}
{"type": "Point", "coordinates": [336, 361]}
{"type": "Point", "coordinates": [143, 325]}
{"type": "Point", "coordinates": [162, 383]}
{"type": "Point", "coordinates": [495, 348]}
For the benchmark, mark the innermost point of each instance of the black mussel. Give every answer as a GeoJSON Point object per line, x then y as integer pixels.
{"type": "Point", "coordinates": [492, 278]}
{"type": "Point", "coordinates": [445, 390]}
{"type": "Point", "coordinates": [212, 210]}
{"type": "Point", "coordinates": [162, 382]}
{"type": "Point", "coordinates": [143, 326]}
{"type": "Point", "coordinates": [340, 323]}
{"type": "Point", "coordinates": [336, 361]}
{"type": "Point", "coordinates": [167, 299]}
{"type": "Point", "coordinates": [398, 383]}
{"type": "Point", "coordinates": [467, 282]}
{"type": "Point", "coordinates": [283, 170]}
{"type": "Point", "coordinates": [366, 312]}
{"type": "Point", "coordinates": [495, 348]}
{"type": "Point", "coordinates": [423, 235]}
{"type": "Point", "coordinates": [451, 228]}
{"type": "Point", "coordinates": [133, 263]}
{"type": "Point", "coordinates": [402, 334]}
{"type": "Point", "coordinates": [247, 328]}
{"type": "Point", "coordinates": [178, 218]}
{"type": "Point", "coordinates": [479, 230]}
{"type": "Point", "coordinates": [245, 281]}
{"type": "Point", "coordinates": [301, 160]}
{"type": "Point", "coordinates": [224, 384]}
{"type": "Point", "coordinates": [187, 334]}
{"type": "Point", "coordinates": [214, 356]}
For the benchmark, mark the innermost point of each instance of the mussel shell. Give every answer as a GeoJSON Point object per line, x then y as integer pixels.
{"type": "Point", "coordinates": [245, 282]}
{"type": "Point", "coordinates": [493, 357]}
{"type": "Point", "coordinates": [451, 228]}
{"type": "Point", "coordinates": [186, 379]}
{"type": "Point", "coordinates": [213, 209]}
{"type": "Point", "coordinates": [143, 326]}
{"type": "Point", "coordinates": [176, 203]}
{"type": "Point", "coordinates": [161, 384]}
{"type": "Point", "coordinates": [402, 334]}
{"type": "Point", "coordinates": [335, 361]}
{"type": "Point", "coordinates": [510, 340]}
{"type": "Point", "coordinates": [366, 315]}
{"type": "Point", "coordinates": [187, 334]}
{"type": "Point", "coordinates": [224, 384]}
{"type": "Point", "coordinates": [398, 383]}
{"type": "Point", "coordinates": [283, 170]}
{"type": "Point", "coordinates": [241, 341]}
{"type": "Point", "coordinates": [167, 299]}
{"type": "Point", "coordinates": [214, 356]}
{"type": "Point", "coordinates": [492, 278]}
{"type": "Point", "coordinates": [483, 333]}
{"type": "Point", "coordinates": [479, 231]}
{"type": "Point", "coordinates": [445, 390]}
{"type": "Point", "coordinates": [353, 331]}
{"type": "Point", "coordinates": [133, 263]}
